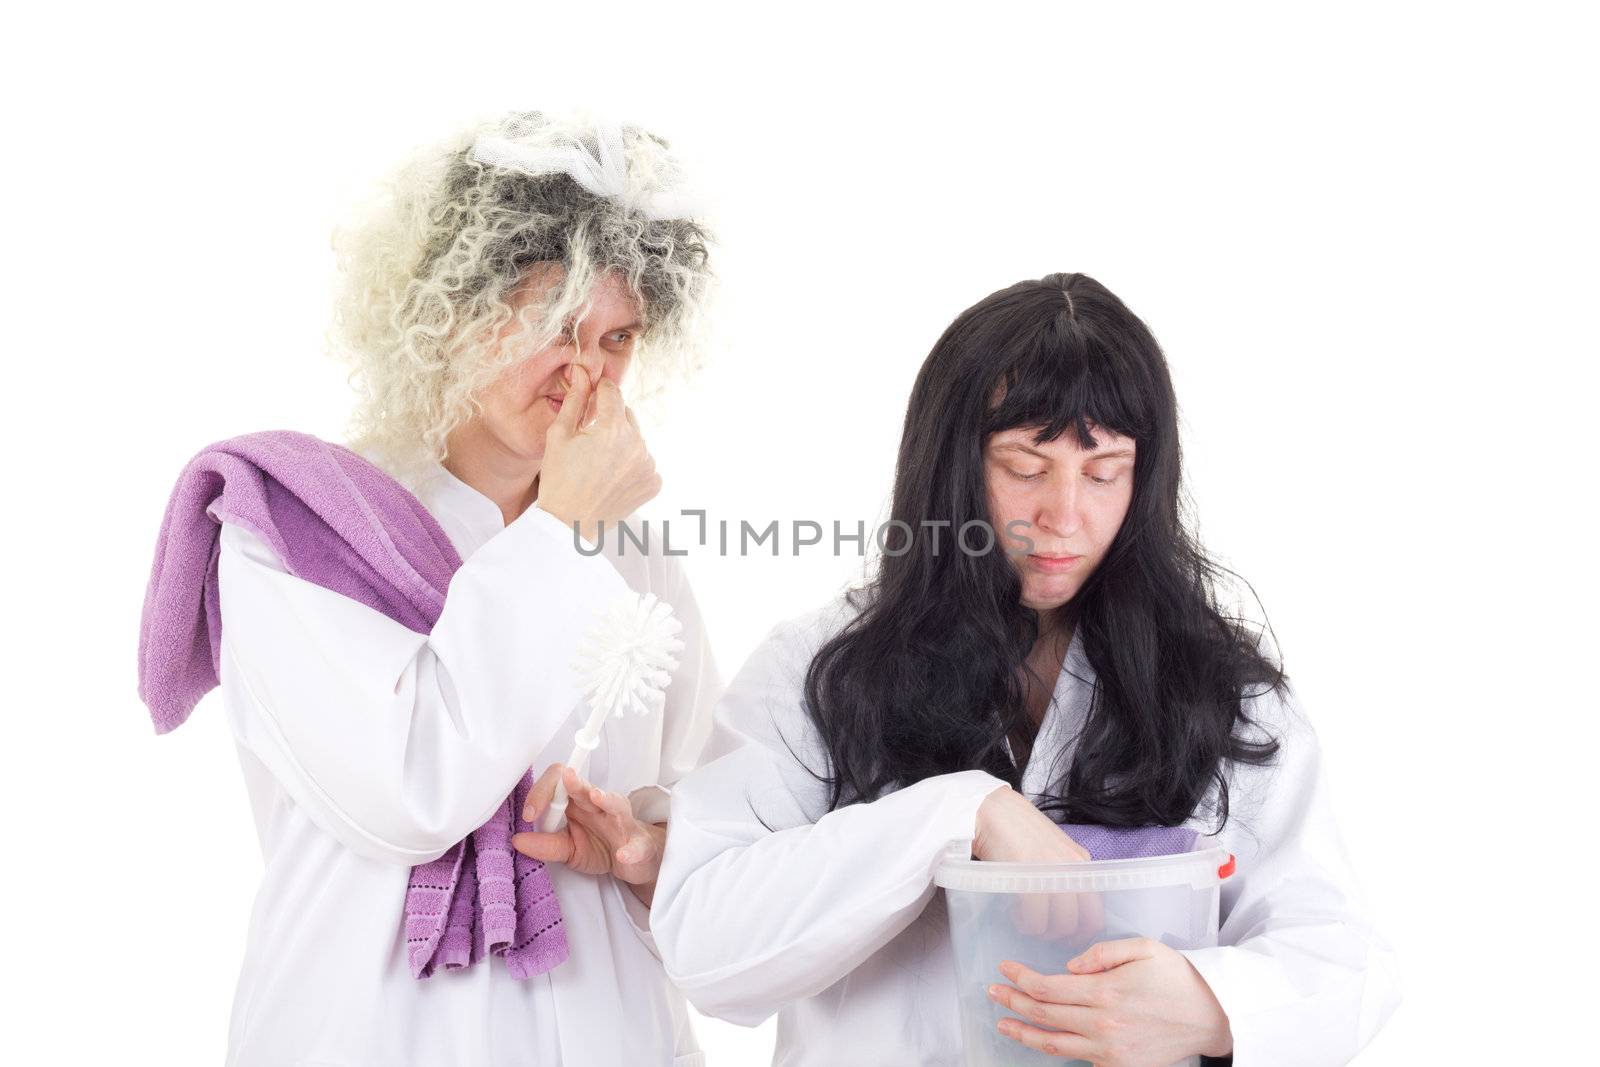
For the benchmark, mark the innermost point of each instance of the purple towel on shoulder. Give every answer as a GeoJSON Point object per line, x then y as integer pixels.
{"type": "Point", "coordinates": [1127, 843]}
{"type": "Point", "coordinates": [339, 521]}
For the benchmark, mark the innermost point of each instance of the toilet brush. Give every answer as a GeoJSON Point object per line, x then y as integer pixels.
{"type": "Point", "coordinates": [625, 666]}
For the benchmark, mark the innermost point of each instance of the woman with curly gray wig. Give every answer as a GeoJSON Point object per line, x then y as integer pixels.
{"type": "Point", "coordinates": [394, 622]}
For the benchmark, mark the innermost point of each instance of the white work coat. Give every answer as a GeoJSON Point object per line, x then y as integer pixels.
{"type": "Point", "coordinates": [825, 918]}
{"type": "Point", "coordinates": [368, 748]}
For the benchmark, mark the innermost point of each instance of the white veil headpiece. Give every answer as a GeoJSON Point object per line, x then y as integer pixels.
{"type": "Point", "coordinates": [636, 171]}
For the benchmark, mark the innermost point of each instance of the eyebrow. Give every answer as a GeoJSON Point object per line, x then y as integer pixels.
{"type": "Point", "coordinates": [635, 325]}
{"type": "Point", "coordinates": [1115, 453]}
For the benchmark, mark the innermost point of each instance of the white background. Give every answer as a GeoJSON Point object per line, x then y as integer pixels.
{"type": "Point", "coordinates": [1365, 236]}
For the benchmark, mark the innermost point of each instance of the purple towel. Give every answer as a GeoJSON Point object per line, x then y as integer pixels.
{"type": "Point", "coordinates": [342, 523]}
{"type": "Point", "coordinates": [1127, 843]}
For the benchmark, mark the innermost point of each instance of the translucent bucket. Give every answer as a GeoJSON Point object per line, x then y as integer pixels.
{"type": "Point", "coordinates": [1044, 914]}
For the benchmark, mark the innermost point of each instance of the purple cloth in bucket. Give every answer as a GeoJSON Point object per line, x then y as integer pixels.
{"type": "Point", "coordinates": [1128, 843]}
{"type": "Point", "coordinates": [341, 522]}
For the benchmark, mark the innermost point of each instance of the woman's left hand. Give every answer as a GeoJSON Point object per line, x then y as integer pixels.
{"type": "Point", "coordinates": [601, 835]}
{"type": "Point", "coordinates": [1129, 1003]}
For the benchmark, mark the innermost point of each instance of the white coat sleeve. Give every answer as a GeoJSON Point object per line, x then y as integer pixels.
{"type": "Point", "coordinates": [399, 744]}
{"type": "Point", "coordinates": [748, 918]}
{"type": "Point", "coordinates": [1304, 977]}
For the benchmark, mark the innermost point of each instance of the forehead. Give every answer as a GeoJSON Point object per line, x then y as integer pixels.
{"type": "Point", "coordinates": [1022, 439]}
{"type": "Point", "coordinates": [611, 297]}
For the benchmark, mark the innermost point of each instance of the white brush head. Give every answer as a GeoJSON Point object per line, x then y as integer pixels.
{"type": "Point", "coordinates": [629, 656]}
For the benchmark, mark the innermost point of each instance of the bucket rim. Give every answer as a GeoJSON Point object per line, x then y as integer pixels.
{"type": "Point", "coordinates": [1198, 869]}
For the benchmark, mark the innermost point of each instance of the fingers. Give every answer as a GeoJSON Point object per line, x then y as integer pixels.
{"type": "Point", "coordinates": [1031, 914]}
{"type": "Point", "coordinates": [607, 403]}
{"type": "Point", "coordinates": [638, 848]}
{"type": "Point", "coordinates": [1063, 915]}
{"type": "Point", "coordinates": [578, 790]}
{"type": "Point", "coordinates": [578, 786]}
{"type": "Point", "coordinates": [1040, 1012]}
{"type": "Point", "coordinates": [1073, 989]}
{"type": "Point", "coordinates": [1078, 916]}
{"type": "Point", "coordinates": [1050, 1042]}
{"type": "Point", "coordinates": [592, 800]}
{"type": "Point", "coordinates": [591, 813]}
{"type": "Point", "coordinates": [1055, 1007]}
{"type": "Point", "coordinates": [1105, 955]}
{"type": "Point", "coordinates": [551, 848]}
{"type": "Point", "coordinates": [613, 804]}
{"type": "Point", "coordinates": [576, 401]}
{"type": "Point", "coordinates": [542, 791]}
{"type": "Point", "coordinates": [608, 819]}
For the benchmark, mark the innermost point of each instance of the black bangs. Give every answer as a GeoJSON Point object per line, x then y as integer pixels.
{"type": "Point", "coordinates": [1062, 376]}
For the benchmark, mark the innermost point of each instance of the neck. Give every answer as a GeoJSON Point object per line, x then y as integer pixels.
{"type": "Point", "coordinates": [1055, 631]}
{"type": "Point", "coordinates": [1042, 667]}
{"type": "Point", "coordinates": [503, 478]}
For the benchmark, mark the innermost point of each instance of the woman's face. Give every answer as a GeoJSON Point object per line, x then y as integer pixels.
{"type": "Point", "coordinates": [1070, 502]}
{"type": "Point", "coordinates": [522, 403]}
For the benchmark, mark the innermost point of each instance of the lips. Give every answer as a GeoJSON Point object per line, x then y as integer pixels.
{"type": "Point", "coordinates": [1054, 563]}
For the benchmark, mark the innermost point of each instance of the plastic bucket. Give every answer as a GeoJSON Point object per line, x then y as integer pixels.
{"type": "Point", "coordinates": [1044, 914]}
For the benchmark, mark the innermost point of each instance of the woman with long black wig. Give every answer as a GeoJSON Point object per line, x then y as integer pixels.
{"type": "Point", "coordinates": [1042, 643]}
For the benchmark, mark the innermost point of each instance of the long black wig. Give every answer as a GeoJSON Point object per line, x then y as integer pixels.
{"type": "Point", "coordinates": [927, 677]}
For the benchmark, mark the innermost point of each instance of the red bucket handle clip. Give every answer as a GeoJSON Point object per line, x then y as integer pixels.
{"type": "Point", "coordinates": [1227, 868]}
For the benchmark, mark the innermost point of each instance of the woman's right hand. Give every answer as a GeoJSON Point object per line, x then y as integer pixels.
{"type": "Point", "coordinates": [1011, 830]}
{"type": "Point", "coordinates": [601, 835]}
{"type": "Point", "coordinates": [599, 471]}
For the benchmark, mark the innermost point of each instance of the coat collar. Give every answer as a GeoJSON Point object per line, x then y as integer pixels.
{"type": "Point", "coordinates": [1064, 717]}
{"type": "Point", "coordinates": [469, 517]}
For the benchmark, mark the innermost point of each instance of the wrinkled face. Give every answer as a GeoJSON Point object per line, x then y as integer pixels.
{"type": "Point", "coordinates": [1070, 503]}
{"type": "Point", "coordinates": [522, 403]}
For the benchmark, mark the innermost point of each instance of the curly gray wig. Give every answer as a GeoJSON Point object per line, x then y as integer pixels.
{"type": "Point", "coordinates": [429, 273]}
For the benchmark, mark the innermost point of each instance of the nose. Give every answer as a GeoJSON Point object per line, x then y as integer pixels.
{"type": "Point", "coordinates": [591, 357]}
{"type": "Point", "coordinates": [1059, 510]}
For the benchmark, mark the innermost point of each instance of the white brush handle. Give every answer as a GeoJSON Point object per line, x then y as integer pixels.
{"type": "Point", "coordinates": [587, 741]}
